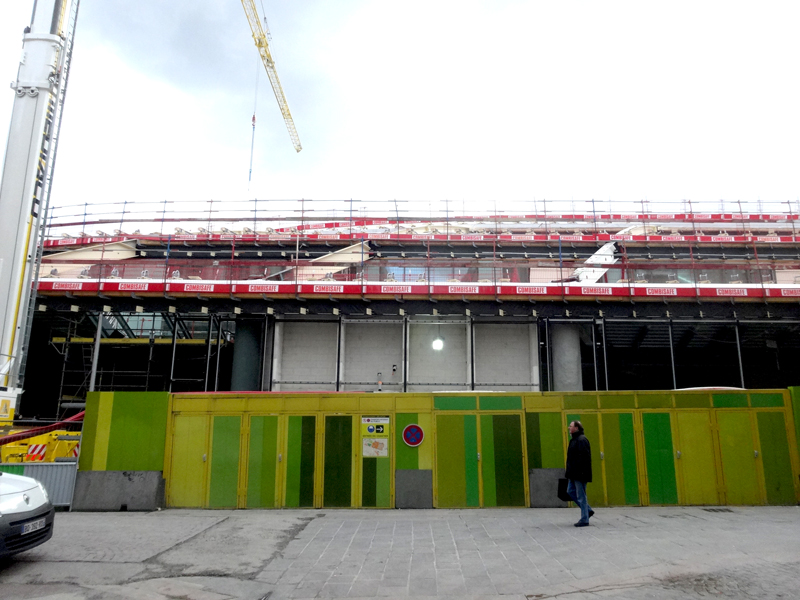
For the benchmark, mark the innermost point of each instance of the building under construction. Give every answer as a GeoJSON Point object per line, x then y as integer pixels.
{"type": "Point", "coordinates": [536, 302]}
{"type": "Point", "coordinates": [387, 354]}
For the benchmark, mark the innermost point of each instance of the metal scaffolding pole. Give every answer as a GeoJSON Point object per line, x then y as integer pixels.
{"type": "Point", "coordinates": [739, 353]}
{"type": "Point", "coordinates": [174, 348]}
{"type": "Point", "coordinates": [672, 357]}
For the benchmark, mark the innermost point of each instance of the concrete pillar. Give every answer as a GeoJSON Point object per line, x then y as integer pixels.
{"type": "Point", "coordinates": [533, 338]}
{"type": "Point", "coordinates": [470, 354]}
{"type": "Point", "coordinates": [342, 375]}
{"type": "Point", "coordinates": [277, 356]}
{"type": "Point", "coordinates": [566, 357]}
{"type": "Point", "coordinates": [246, 369]}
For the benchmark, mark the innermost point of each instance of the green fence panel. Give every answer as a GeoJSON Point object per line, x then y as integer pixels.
{"type": "Point", "coordinates": [451, 461]}
{"type": "Point", "coordinates": [471, 462]}
{"type": "Point", "coordinates": [307, 462]}
{"type": "Point", "coordinates": [578, 402]}
{"type": "Point", "coordinates": [383, 483]}
{"type": "Point", "coordinates": [501, 403]}
{"type": "Point", "coordinates": [619, 448]}
{"type": "Point", "coordinates": [406, 457]}
{"type": "Point", "coordinates": [730, 400]}
{"type": "Point", "coordinates": [262, 466]}
{"type": "Point", "coordinates": [223, 489]}
{"type": "Point", "coordinates": [612, 450]}
{"type": "Point", "coordinates": [775, 458]}
{"type": "Point", "coordinates": [795, 401]}
{"type": "Point", "coordinates": [766, 400]}
{"type": "Point", "coordinates": [338, 461]}
{"type": "Point", "coordinates": [659, 457]}
{"type": "Point", "coordinates": [300, 461]}
{"type": "Point", "coordinates": [533, 440]}
{"type": "Point", "coordinates": [551, 432]}
{"type": "Point", "coordinates": [138, 431]}
{"type": "Point", "coordinates": [369, 471]}
{"type": "Point", "coordinates": [692, 401]}
{"type": "Point", "coordinates": [654, 400]}
{"type": "Point", "coordinates": [455, 402]}
{"type": "Point", "coordinates": [508, 466]}
{"type": "Point", "coordinates": [629, 466]}
{"type": "Point", "coordinates": [488, 461]}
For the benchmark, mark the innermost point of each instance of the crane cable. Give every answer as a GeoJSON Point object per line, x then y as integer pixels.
{"type": "Point", "coordinates": [255, 100]}
{"type": "Point", "coordinates": [253, 139]}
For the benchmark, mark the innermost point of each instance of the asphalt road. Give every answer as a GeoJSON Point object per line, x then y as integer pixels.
{"type": "Point", "coordinates": [627, 553]}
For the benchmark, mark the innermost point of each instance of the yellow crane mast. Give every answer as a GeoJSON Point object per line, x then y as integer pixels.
{"type": "Point", "coordinates": [260, 37]}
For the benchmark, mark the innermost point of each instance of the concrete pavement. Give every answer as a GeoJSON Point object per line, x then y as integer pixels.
{"type": "Point", "coordinates": [630, 553]}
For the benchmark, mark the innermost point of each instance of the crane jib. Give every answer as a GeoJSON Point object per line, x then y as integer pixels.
{"type": "Point", "coordinates": [260, 39]}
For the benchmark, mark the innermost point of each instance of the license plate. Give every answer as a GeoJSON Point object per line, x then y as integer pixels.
{"type": "Point", "coordinates": [33, 526]}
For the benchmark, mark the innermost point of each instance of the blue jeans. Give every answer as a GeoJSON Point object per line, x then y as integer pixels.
{"type": "Point", "coordinates": [577, 489]}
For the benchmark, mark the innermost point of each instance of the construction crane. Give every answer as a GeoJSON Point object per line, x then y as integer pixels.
{"type": "Point", "coordinates": [260, 37]}
{"type": "Point", "coordinates": [39, 92]}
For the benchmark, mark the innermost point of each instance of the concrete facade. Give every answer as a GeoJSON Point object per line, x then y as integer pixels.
{"type": "Point", "coordinates": [306, 355]}
{"type": "Point", "coordinates": [370, 349]}
{"type": "Point", "coordinates": [445, 369]}
{"type": "Point", "coordinates": [506, 357]}
{"type": "Point", "coordinates": [395, 356]}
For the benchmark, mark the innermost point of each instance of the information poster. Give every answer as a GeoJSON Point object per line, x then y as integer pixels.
{"type": "Point", "coordinates": [375, 436]}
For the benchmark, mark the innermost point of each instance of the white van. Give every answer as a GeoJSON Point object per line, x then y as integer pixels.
{"type": "Point", "coordinates": [26, 515]}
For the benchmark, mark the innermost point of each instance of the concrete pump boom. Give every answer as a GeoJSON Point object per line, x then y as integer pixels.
{"type": "Point", "coordinates": [260, 37]}
{"type": "Point", "coordinates": [24, 188]}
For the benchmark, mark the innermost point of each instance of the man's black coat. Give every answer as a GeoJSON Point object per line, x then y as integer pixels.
{"type": "Point", "coordinates": [579, 459]}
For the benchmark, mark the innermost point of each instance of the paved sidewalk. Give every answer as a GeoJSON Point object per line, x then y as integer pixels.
{"type": "Point", "coordinates": [630, 553]}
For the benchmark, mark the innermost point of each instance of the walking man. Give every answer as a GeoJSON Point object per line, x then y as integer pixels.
{"type": "Point", "coordinates": [579, 470]}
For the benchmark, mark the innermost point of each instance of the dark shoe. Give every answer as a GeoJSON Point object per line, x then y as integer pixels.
{"type": "Point", "coordinates": [581, 524]}
{"type": "Point", "coordinates": [591, 514]}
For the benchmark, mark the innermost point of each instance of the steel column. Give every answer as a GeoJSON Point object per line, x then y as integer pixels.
{"type": "Point", "coordinates": [471, 353]}
{"type": "Point", "coordinates": [405, 354]}
{"type": "Point", "coordinates": [208, 350]}
{"type": "Point", "coordinates": [340, 353]}
{"type": "Point", "coordinates": [96, 352]}
{"type": "Point", "coordinates": [605, 353]}
{"type": "Point", "coordinates": [594, 358]}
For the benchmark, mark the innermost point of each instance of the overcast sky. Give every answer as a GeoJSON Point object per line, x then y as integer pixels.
{"type": "Point", "coordinates": [475, 102]}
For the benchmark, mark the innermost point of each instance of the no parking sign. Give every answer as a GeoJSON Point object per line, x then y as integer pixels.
{"type": "Point", "coordinates": [413, 435]}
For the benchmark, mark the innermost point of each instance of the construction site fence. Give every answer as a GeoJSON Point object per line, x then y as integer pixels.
{"type": "Point", "coordinates": [58, 478]}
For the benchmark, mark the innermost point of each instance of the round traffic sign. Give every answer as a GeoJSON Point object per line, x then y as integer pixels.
{"type": "Point", "coordinates": [413, 435]}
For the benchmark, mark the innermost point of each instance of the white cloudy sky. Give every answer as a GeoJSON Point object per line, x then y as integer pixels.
{"type": "Point", "coordinates": [474, 101]}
